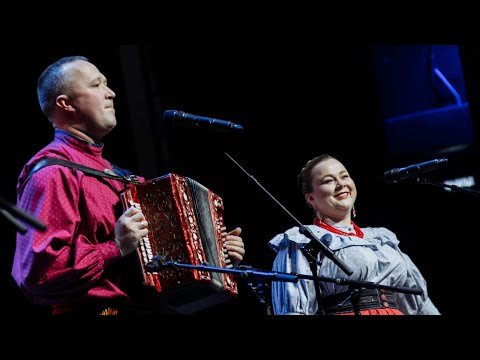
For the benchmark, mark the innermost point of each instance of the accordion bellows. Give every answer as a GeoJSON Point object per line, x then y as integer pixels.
{"type": "Point", "coordinates": [185, 221]}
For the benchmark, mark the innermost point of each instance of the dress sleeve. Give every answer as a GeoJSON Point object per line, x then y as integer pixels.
{"type": "Point", "coordinates": [409, 303]}
{"type": "Point", "coordinates": [290, 298]}
{"type": "Point", "coordinates": [59, 263]}
{"type": "Point", "coordinates": [415, 304]}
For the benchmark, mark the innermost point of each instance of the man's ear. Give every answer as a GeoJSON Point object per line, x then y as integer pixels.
{"type": "Point", "coordinates": [65, 103]}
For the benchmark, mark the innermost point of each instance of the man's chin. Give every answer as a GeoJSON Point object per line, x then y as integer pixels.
{"type": "Point", "coordinates": [111, 124]}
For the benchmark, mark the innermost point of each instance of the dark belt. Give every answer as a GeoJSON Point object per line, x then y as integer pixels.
{"type": "Point", "coordinates": [358, 300]}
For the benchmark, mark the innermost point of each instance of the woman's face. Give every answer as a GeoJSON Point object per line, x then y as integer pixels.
{"type": "Point", "coordinates": [334, 192]}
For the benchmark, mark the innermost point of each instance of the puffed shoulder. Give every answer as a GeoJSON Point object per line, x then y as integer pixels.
{"type": "Point", "coordinates": [293, 238]}
{"type": "Point", "coordinates": [381, 234]}
{"type": "Point", "coordinates": [373, 238]}
{"type": "Point", "coordinates": [292, 234]}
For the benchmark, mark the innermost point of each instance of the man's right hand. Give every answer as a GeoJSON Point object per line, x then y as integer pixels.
{"type": "Point", "coordinates": [130, 228]}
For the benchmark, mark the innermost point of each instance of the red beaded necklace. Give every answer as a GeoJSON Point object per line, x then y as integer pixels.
{"type": "Point", "coordinates": [358, 232]}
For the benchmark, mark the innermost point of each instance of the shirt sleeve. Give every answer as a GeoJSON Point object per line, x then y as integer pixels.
{"type": "Point", "coordinates": [61, 262]}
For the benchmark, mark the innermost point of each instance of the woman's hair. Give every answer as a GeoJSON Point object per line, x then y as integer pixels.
{"type": "Point", "coordinates": [53, 82]}
{"type": "Point", "coordinates": [304, 179]}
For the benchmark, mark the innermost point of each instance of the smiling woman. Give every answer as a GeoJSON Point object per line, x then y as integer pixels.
{"type": "Point", "coordinates": [373, 254]}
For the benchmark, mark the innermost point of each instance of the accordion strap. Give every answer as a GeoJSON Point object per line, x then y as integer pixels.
{"type": "Point", "coordinates": [107, 173]}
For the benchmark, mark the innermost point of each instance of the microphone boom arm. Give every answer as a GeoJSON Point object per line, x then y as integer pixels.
{"type": "Point", "coordinates": [9, 211]}
{"type": "Point", "coordinates": [453, 188]}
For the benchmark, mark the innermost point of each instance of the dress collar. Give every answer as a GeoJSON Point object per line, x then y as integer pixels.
{"type": "Point", "coordinates": [356, 230]}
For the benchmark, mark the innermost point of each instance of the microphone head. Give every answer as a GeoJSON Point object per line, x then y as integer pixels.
{"type": "Point", "coordinates": [411, 171]}
{"type": "Point", "coordinates": [390, 176]}
{"type": "Point", "coordinates": [442, 161]}
{"type": "Point", "coordinates": [170, 114]}
{"type": "Point", "coordinates": [236, 127]}
{"type": "Point", "coordinates": [186, 120]}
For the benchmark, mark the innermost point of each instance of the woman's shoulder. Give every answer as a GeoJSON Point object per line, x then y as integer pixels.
{"type": "Point", "coordinates": [380, 234]}
{"type": "Point", "coordinates": [290, 235]}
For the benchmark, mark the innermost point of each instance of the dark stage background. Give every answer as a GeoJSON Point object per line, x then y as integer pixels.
{"type": "Point", "coordinates": [295, 101]}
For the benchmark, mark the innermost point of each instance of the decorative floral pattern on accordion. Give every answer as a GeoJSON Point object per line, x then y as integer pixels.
{"type": "Point", "coordinates": [185, 221]}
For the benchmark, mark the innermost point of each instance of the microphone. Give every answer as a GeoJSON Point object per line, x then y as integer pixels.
{"type": "Point", "coordinates": [395, 175]}
{"type": "Point", "coordinates": [158, 263]}
{"type": "Point", "coordinates": [202, 121]}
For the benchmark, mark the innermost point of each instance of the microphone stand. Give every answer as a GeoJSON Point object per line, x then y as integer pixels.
{"type": "Point", "coordinates": [9, 211]}
{"type": "Point", "coordinates": [454, 188]}
{"type": "Point", "coordinates": [260, 287]}
{"type": "Point", "coordinates": [261, 277]}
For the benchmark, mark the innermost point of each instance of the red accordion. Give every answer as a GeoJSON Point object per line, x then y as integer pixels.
{"type": "Point", "coordinates": [185, 221]}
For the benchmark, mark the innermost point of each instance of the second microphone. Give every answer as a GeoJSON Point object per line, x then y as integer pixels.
{"type": "Point", "coordinates": [203, 122]}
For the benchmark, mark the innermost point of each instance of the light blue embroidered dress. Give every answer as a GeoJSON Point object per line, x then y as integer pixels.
{"type": "Point", "coordinates": [375, 258]}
